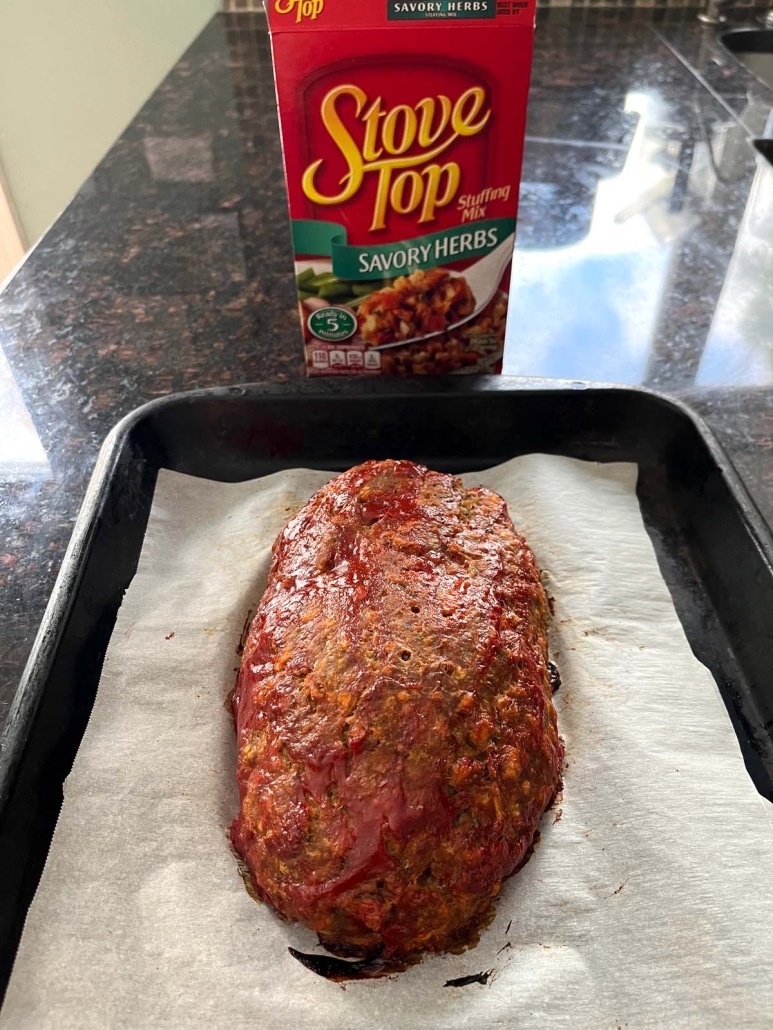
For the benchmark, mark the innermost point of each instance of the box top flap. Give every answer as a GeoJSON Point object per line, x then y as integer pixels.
{"type": "Point", "coordinates": [338, 15]}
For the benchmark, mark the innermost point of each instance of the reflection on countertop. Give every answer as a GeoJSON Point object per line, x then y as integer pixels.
{"type": "Point", "coordinates": [644, 256]}
{"type": "Point", "coordinates": [668, 283]}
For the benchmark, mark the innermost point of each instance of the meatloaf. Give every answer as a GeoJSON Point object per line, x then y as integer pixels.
{"type": "Point", "coordinates": [397, 741]}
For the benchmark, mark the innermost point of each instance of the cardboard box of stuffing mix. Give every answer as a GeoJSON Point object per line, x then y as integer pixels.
{"type": "Point", "coordinates": [402, 129]}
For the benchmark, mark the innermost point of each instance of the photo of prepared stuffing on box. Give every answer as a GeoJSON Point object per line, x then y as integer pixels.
{"type": "Point", "coordinates": [470, 348]}
{"type": "Point", "coordinates": [414, 305]}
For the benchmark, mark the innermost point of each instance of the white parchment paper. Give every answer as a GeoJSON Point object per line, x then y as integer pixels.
{"type": "Point", "coordinates": [646, 904]}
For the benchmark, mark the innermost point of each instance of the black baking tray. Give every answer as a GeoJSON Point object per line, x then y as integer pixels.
{"type": "Point", "coordinates": [715, 550]}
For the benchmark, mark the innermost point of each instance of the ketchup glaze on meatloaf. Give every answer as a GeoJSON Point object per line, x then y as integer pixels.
{"type": "Point", "coordinates": [397, 741]}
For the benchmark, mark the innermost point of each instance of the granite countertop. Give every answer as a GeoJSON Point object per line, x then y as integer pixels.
{"type": "Point", "coordinates": [644, 256]}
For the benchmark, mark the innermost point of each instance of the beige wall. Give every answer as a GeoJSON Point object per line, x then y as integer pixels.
{"type": "Point", "coordinates": [72, 75]}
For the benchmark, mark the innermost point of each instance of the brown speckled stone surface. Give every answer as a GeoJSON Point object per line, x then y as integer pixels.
{"type": "Point", "coordinates": [644, 256]}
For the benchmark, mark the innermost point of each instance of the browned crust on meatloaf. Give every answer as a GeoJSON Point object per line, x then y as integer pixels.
{"type": "Point", "coordinates": [397, 742]}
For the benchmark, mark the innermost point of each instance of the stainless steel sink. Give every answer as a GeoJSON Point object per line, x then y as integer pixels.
{"type": "Point", "coordinates": [765, 148]}
{"type": "Point", "coordinates": [754, 49]}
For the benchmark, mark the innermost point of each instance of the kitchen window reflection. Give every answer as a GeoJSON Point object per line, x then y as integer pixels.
{"type": "Point", "coordinates": [589, 309]}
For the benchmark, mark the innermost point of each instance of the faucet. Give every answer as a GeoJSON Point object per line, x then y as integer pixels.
{"type": "Point", "coordinates": [715, 13]}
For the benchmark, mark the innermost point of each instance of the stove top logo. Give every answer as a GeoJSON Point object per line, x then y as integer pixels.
{"type": "Point", "coordinates": [399, 147]}
{"type": "Point", "coordinates": [302, 9]}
